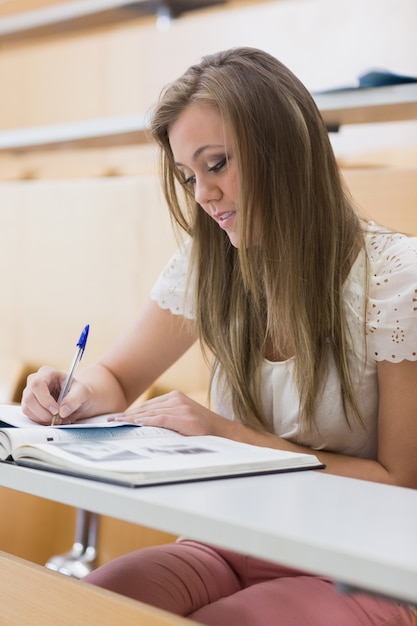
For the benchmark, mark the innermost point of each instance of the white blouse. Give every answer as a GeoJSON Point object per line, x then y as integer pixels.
{"type": "Point", "coordinates": [382, 325]}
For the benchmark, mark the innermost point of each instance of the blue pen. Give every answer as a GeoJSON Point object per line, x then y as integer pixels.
{"type": "Point", "coordinates": [77, 358]}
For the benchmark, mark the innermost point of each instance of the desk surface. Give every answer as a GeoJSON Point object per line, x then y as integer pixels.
{"type": "Point", "coordinates": [356, 532]}
{"type": "Point", "coordinates": [360, 106]}
{"type": "Point", "coordinates": [366, 106]}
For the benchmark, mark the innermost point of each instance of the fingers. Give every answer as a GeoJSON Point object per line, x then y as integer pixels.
{"type": "Point", "coordinates": [166, 403]}
{"type": "Point", "coordinates": [174, 411]}
{"type": "Point", "coordinates": [39, 398]}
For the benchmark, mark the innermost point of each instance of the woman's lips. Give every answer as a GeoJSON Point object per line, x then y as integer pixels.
{"type": "Point", "coordinates": [225, 219]}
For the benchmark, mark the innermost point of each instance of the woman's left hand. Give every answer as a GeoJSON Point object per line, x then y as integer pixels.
{"type": "Point", "coordinates": [176, 411]}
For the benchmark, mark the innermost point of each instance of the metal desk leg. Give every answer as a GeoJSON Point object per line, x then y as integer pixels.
{"type": "Point", "coordinates": [81, 559]}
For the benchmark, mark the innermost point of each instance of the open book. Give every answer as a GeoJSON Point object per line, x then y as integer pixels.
{"type": "Point", "coordinates": [135, 455]}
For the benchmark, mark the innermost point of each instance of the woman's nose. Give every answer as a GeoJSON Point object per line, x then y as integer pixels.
{"type": "Point", "coordinates": [206, 191]}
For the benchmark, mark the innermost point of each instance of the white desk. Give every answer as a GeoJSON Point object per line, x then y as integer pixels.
{"type": "Point", "coordinates": [102, 132]}
{"type": "Point", "coordinates": [356, 532]}
{"type": "Point", "coordinates": [367, 106]}
{"type": "Point", "coordinates": [382, 104]}
{"type": "Point", "coordinates": [76, 15]}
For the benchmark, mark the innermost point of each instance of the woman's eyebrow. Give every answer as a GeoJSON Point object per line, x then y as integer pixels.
{"type": "Point", "coordinates": [202, 148]}
{"type": "Point", "coordinates": [199, 150]}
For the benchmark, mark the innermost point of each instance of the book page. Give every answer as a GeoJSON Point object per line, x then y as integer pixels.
{"type": "Point", "coordinates": [160, 460]}
{"type": "Point", "coordinates": [13, 415]}
{"type": "Point", "coordinates": [11, 438]}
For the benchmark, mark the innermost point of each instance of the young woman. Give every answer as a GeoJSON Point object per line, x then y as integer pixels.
{"type": "Point", "coordinates": [309, 314]}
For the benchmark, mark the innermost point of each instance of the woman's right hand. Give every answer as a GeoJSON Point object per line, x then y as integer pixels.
{"type": "Point", "coordinates": [39, 398]}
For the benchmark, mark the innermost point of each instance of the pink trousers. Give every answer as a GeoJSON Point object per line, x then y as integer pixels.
{"type": "Point", "coordinates": [222, 588]}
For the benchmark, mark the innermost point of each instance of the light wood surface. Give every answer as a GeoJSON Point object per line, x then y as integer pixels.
{"type": "Point", "coordinates": [388, 195]}
{"type": "Point", "coordinates": [51, 530]}
{"type": "Point", "coordinates": [13, 373]}
{"type": "Point", "coordinates": [34, 595]}
{"type": "Point", "coordinates": [17, 7]}
{"type": "Point", "coordinates": [82, 252]}
{"type": "Point", "coordinates": [33, 528]}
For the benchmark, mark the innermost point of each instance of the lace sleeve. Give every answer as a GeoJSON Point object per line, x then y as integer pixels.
{"type": "Point", "coordinates": [170, 290]}
{"type": "Point", "coordinates": [391, 318]}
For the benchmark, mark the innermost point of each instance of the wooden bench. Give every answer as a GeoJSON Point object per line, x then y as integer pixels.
{"type": "Point", "coordinates": [34, 595]}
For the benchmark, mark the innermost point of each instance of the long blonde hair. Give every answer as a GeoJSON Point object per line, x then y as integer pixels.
{"type": "Point", "coordinates": [286, 288]}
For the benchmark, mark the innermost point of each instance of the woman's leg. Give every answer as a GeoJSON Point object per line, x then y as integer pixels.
{"type": "Point", "coordinates": [219, 587]}
{"type": "Point", "coordinates": [179, 577]}
{"type": "Point", "coordinates": [301, 600]}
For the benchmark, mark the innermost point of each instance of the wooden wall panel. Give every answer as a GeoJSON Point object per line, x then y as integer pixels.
{"type": "Point", "coordinates": [15, 7]}
{"type": "Point", "coordinates": [37, 529]}
{"type": "Point", "coordinates": [117, 538]}
{"type": "Point", "coordinates": [120, 69]}
{"type": "Point", "coordinates": [387, 195]}
{"type": "Point", "coordinates": [78, 252]}
{"type": "Point", "coordinates": [78, 163]}
{"type": "Point", "coordinates": [33, 528]}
